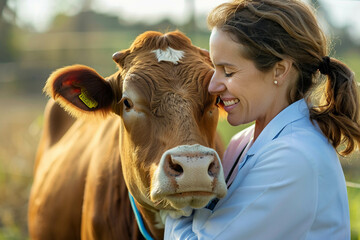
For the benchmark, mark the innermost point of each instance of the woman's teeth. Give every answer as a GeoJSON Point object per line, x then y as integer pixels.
{"type": "Point", "coordinates": [230, 102]}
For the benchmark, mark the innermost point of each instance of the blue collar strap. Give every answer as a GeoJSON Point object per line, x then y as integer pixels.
{"type": "Point", "coordinates": [139, 220]}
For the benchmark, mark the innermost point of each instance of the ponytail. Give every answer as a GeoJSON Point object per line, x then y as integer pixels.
{"type": "Point", "coordinates": [337, 113]}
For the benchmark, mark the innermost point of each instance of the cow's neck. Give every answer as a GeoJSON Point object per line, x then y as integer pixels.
{"type": "Point", "coordinates": [152, 220]}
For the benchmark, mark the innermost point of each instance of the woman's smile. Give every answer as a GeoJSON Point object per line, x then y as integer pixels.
{"type": "Point", "coordinates": [230, 103]}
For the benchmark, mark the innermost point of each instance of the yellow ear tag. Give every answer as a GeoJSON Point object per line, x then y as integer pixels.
{"type": "Point", "coordinates": [85, 98]}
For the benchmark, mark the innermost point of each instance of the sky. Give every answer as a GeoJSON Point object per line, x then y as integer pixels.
{"type": "Point", "coordinates": [38, 13]}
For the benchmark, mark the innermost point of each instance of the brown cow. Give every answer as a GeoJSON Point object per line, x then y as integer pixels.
{"type": "Point", "coordinates": [152, 124]}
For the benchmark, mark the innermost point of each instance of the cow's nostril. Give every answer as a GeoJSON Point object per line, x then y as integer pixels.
{"type": "Point", "coordinates": [175, 169]}
{"type": "Point", "coordinates": [213, 169]}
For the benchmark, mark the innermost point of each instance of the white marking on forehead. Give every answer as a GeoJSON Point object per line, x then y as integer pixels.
{"type": "Point", "coordinates": [169, 55]}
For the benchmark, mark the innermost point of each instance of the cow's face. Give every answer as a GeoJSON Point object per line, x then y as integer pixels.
{"type": "Point", "coordinates": [168, 119]}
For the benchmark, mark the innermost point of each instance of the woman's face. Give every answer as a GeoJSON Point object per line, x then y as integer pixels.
{"type": "Point", "coordinates": [247, 93]}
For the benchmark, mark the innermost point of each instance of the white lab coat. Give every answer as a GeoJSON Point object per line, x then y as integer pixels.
{"type": "Point", "coordinates": [289, 186]}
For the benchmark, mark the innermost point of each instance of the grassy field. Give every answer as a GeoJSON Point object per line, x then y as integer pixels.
{"type": "Point", "coordinates": [20, 128]}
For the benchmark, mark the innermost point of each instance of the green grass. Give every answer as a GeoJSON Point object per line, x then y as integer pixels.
{"type": "Point", "coordinates": [354, 204]}
{"type": "Point", "coordinates": [11, 233]}
{"type": "Point", "coordinates": [352, 60]}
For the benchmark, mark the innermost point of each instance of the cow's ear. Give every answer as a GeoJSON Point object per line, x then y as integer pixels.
{"type": "Point", "coordinates": [80, 90]}
{"type": "Point", "coordinates": [119, 57]}
{"type": "Point", "coordinates": [205, 53]}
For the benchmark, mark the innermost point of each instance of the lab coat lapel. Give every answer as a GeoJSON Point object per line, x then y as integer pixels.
{"type": "Point", "coordinates": [292, 113]}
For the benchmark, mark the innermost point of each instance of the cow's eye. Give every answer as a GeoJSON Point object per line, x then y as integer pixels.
{"type": "Point", "coordinates": [128, 104]}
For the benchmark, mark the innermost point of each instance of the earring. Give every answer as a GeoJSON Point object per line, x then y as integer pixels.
{"type": "Point", "coordinates": [275, 82]}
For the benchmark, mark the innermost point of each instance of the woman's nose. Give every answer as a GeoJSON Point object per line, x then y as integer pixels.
{"type": "Point", "coordinates": [216, 86]}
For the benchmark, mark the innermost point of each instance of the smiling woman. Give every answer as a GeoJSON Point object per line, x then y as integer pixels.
{"type": "Point", "coordinates": [283, 175]}
{"type": "Point", "coordinates": [262, 100]}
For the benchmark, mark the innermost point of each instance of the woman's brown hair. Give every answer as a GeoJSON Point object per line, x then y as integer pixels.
{"type": "Point", "coordinates": [272, 30]}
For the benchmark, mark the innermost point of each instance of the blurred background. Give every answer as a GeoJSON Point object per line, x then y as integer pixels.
{"type": "Point", "coordinates": [37, 37]}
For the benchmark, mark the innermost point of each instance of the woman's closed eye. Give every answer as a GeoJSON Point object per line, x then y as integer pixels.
{"type": "Point", "coordinates": [228, 71]}
{"type": "Point", "coordinates": [228, 74]}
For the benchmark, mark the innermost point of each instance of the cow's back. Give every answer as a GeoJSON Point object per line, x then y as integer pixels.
{"type": "Point", "coordinates": [79, 160]}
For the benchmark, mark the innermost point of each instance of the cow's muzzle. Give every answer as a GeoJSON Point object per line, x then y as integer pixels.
{"type": "Point", "coordinates": [188, 176]}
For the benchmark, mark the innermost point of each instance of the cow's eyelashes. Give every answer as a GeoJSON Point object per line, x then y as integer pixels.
{"type": "Point", "coordinates": [128, 104]}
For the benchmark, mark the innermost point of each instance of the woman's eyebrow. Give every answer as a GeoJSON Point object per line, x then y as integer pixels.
{"type": "Point", "coordinates": [223, 64]}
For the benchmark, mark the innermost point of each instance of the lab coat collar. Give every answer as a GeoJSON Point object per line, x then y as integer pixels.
{"type": "Point", "coordinates": [293, 112]}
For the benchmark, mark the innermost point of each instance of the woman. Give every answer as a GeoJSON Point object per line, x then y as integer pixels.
{"type": "Point", "coordinates": [283, 174]}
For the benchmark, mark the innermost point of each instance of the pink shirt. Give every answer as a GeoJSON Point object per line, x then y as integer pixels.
{"type": "Point", "coordinates": [236, 145]}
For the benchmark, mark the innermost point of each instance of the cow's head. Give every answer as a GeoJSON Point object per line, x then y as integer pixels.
{"type": "Point", "coordinates": [168, 118]}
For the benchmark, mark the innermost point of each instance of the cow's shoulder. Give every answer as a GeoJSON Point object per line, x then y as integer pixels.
{"type": "Point", "coordinates": [105, 192]}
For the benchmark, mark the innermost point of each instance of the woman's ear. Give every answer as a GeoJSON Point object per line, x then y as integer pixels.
{"type": "Point", "coordinates": [282, 70]}
{"type": "Point", "coordinates": [80, 90]}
